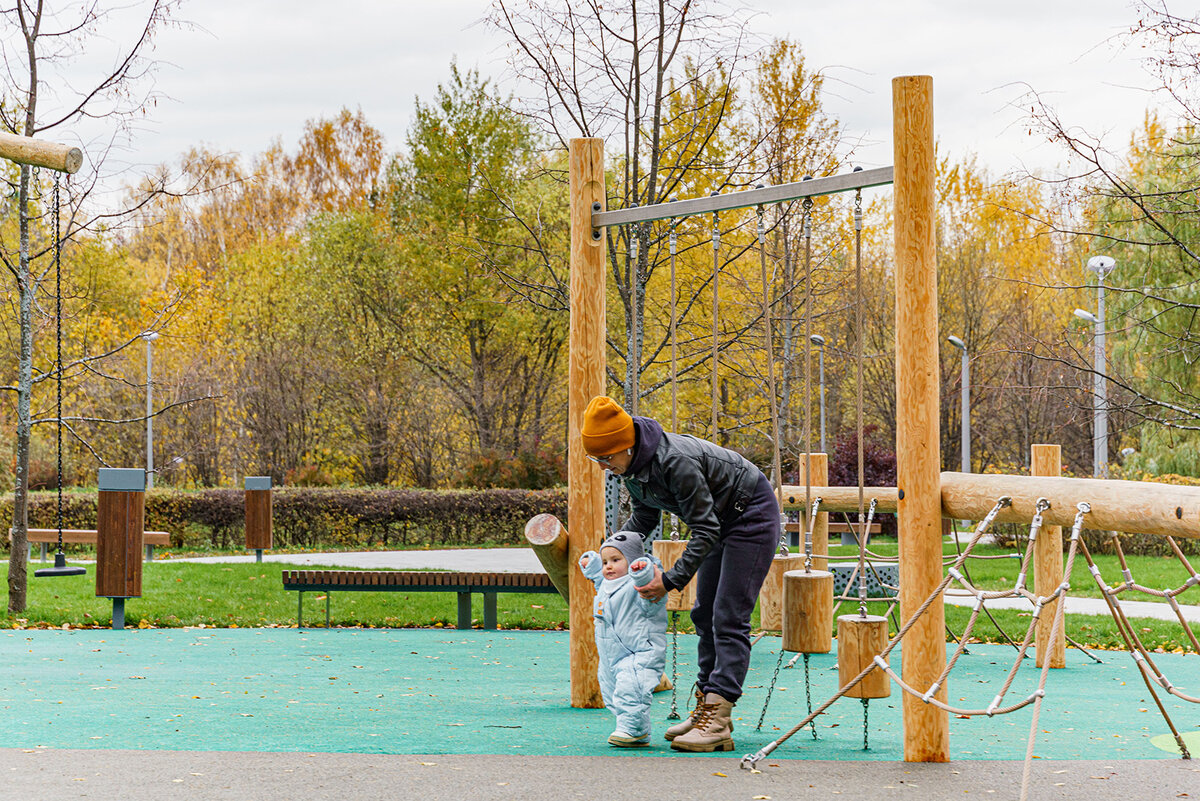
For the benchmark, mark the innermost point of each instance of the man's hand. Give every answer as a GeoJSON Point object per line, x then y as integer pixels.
{"type": "Point", "coordinates": [655, 589]}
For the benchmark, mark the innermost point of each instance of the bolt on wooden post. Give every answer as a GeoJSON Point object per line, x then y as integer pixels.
{"type": "Point", "coordinates": [120, 520]}
{"type": "Point", "coordinates": [258, 515]}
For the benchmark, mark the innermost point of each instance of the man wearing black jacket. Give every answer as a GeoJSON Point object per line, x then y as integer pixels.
{"type": "Point", "coordinates": [732, 514]}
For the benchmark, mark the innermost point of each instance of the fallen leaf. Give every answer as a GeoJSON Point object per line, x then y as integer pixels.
{"type": "Point", "coordinates": [719, 773]}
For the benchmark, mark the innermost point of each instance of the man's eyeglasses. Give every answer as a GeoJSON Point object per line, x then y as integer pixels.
{"type": "Point", "coordinates": [602, 460]}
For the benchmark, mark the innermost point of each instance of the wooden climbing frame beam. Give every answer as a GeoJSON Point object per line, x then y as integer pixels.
{"type": "Point", "coordinates": [35, 152]}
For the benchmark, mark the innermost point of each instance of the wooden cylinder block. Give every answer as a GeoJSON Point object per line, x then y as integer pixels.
{"type": "Point", "coordinates": [860, 638]}
{"type": "Point", "coordinates": [667, 552]}
{"type": "Point", "coordinates": [120, 518]}
{"type": "Point", "coordinates": [38, 153]}
{"type": "Point", "coordinates": [808, 611]}
{"type": "Point", "coordinates": [548, 539]}
{"type": "Point", "coordinates": [258, 513]}
{"type": "Point", "coordinates": [770, 597]}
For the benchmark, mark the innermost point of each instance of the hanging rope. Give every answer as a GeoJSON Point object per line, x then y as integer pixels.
{"type": "Point", "coordinates": [777, 462]}
{"type": "Point", "coordinates": [807, 231]}
{"type": "Point", "coordinates": [716, 278]}
{"type": "Point", "coordinates": [635, 356]}
{"type": "Point", "coordinates": [60, 560]}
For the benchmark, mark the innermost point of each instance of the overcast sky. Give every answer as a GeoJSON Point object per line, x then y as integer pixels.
{"type": "Point", "coordinates": [255, 70]}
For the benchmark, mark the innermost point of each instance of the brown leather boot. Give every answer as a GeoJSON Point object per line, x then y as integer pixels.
{"type": "Point", "coordinates": [685, 725]}
{"type": "Point", "coordinates": [712, 731]}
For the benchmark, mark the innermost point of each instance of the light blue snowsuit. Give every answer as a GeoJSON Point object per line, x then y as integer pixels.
{"type": "Point", "coordinates": [631, 638]}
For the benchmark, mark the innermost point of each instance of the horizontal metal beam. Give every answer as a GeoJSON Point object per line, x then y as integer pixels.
{"type": "Point", "coordinates": [862, 179]}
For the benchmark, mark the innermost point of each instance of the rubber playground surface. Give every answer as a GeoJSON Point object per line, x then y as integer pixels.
{"type": "Point", "coordinates": [428, 691]}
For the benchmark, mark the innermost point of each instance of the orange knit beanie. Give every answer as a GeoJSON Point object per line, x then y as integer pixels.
{"type": "Point", "coordinates": [607, 428]}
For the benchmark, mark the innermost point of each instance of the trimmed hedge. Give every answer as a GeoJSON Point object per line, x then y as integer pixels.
{"type": "Point", "coordinates": [315, 517]}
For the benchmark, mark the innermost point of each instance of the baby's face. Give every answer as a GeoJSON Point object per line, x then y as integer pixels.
{"type": "Point", "coordinates": [614, 564]}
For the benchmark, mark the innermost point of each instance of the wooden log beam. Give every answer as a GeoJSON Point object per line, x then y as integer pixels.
{"type": "Point", "coordinates": [839, 499]}
{"type": "Point", "coordinates": [548, 539]}
{"type": "Point", "coordinates": [37, 153]}
{"type": "Point", "coordinates": [1139, 507]}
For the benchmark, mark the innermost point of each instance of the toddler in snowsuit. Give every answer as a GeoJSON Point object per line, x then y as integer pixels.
{"type": "Point", "coordinates": [631, 633]}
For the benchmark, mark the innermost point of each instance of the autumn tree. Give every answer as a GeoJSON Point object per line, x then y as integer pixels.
{"type": "Point", "coordinates": [44, 102]}
{"type": "Point", "coordinates": [464, 197]}
{"type": "Point", "coordinates": [1135, 201]}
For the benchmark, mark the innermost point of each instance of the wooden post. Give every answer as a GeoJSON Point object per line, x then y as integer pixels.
{"type": "Point", "coordinates": [819, 478]}
{"type": "Point", "coordinates": [120, 519]}
{"type": "Point", "coordinates": [667, 552]}
{"type": "Point", "coordinates": [548, 539]}
{"type": "Point", "coordinates": [259, 525]}
{"type": "Point", "coordinates": [1046, 460]}
{"type": "Point", "coordinates": [918, 456]}
{"type": "Point", "coordinates": [35, 152]}
{"type": "Point", "coordinates": [770, 597]}
{"type": "Point", "coordinates": [585, 486]}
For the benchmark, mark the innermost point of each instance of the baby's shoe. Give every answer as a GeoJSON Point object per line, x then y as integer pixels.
{"type": "Point", "coordinates": [622, 740]}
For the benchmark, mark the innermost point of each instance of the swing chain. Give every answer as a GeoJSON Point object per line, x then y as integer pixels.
{"type": "Point", "coordinates": [808, 695]}
{"type": "Point", "coordinates": [771, 689]}
{"type": "Point", "coordinates": [58, 351]}
{"type": "Point", "coordinates": [866, 702]}
{"type": "Point", "coordinates": [674, 713]}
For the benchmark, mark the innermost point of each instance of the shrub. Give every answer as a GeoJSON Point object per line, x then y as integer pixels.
{"type": "Point", "coordinates": [317, 517]}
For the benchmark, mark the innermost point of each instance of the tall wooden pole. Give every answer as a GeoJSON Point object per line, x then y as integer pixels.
{"type": "Point", "coordinates": [1046, 460]}
{"type": "Point", "coordinates": [918, 455]}
{"type": "Point", "coordinates": [585, 482]}
{"type": "Point", "coordinates": [819, 478]}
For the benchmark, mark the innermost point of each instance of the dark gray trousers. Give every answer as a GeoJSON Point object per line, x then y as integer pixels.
{"type": "Point", "coordinates": [727, 587]}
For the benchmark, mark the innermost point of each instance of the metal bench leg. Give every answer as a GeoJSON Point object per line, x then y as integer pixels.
{"type": "Point", "coordinates": [149, 553]}
{"type": "Point", "coordinates": [489, 610]}
{"type": "Point", "coordinates": [328, 595]}
{"type": "Point", "coordinates": [300, 611]}
{"type": "Point", "coordinates": [44, 550]}
{"type": "Point", "coordinates": [464, 610]}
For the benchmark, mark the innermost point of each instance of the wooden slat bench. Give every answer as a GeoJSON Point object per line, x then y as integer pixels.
{"type": "Point", "coordinates": [489, 584]}
{"type": "Point", "coordinates": [75, 536]}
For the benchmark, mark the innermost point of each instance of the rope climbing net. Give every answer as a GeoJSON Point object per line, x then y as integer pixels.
{"type": "Point", "coordinates": [1051, 602]}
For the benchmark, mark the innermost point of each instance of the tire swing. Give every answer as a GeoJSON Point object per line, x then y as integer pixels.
{"type": "Point", "coordinates": [61, 568]}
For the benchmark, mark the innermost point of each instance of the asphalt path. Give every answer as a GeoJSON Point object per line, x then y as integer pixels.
{"type": "Point", "coordinates": [36, 774]}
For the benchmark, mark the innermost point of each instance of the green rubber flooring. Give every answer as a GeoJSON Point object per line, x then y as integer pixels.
{"type": "Point", "coordinates": [485, 692]}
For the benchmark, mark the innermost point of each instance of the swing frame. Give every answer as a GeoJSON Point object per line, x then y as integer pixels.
{"type": "Point", "coordinates": [923, 494]}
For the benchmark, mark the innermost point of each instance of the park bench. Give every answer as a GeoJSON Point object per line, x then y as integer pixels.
{"type": "Point", "coordinates": [488, 584]}
{"type": "Point", "coordinates": [75, 536]}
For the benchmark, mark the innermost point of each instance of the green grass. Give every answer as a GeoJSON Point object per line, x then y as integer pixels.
{"type": "Point", "coordinates": [176, 594]}
{"type": "Point", "coordinates": [1159, 572]}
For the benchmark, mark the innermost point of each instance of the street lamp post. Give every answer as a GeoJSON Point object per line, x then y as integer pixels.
{"type": "Point", "coordinates": [819, 341]}
{"type": "Point", "coordinates": [966, 402]}
{"type": "Point", "coordinates": [149, 336]}
{"type": "Point", "coordinates": [1101, 266]}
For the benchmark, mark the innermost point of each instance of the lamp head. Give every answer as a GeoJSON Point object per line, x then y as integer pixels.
{"type": "Point", "coordinates": [1086, 315]}
{"type": "Point", "coordinates": [958, 343]}
{"type": "Point", "coordinates": [817, 340]}
{"type": "Point", "coordinates": [1102, 265]}
{"type": "Point", "coordinates": [150, 336]}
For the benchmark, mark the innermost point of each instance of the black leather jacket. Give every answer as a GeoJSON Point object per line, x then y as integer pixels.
{"type": "Point", "coordinates": [704, 484]}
